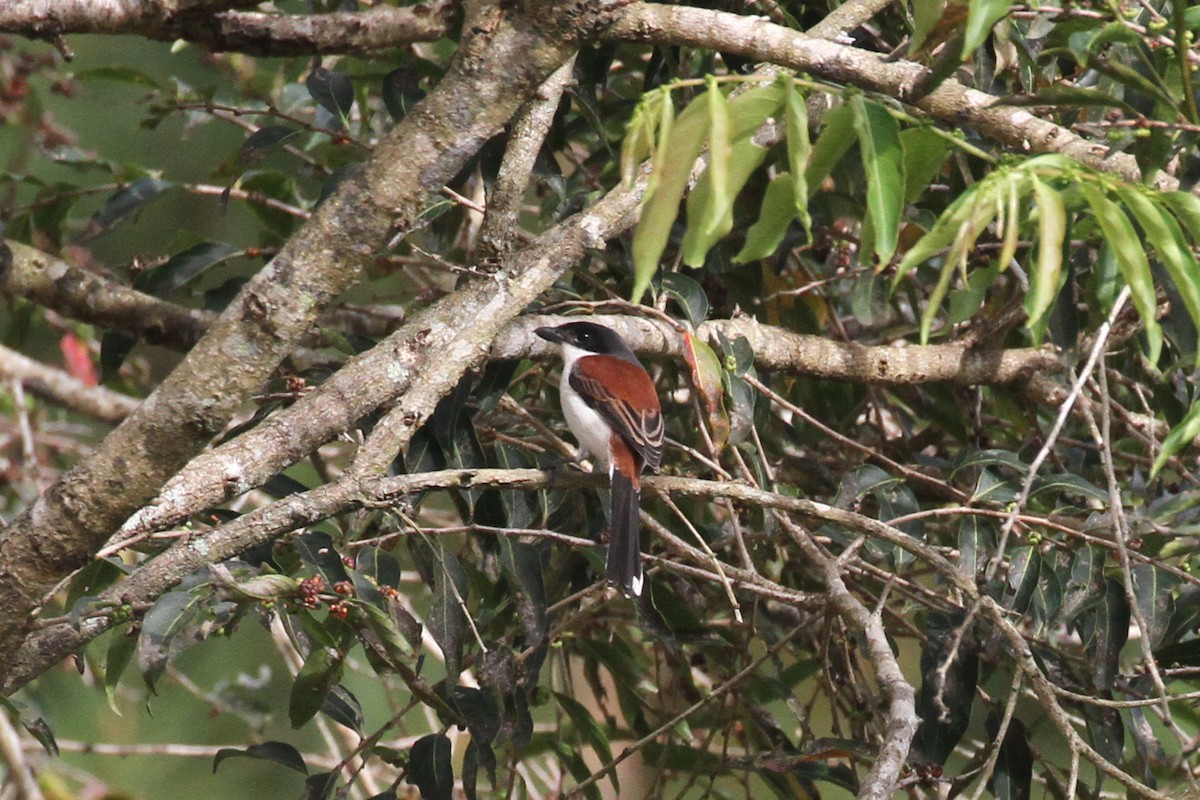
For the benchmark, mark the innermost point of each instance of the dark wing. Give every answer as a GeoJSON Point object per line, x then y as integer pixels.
{"type": "Point", "coordinates": [624, 395]}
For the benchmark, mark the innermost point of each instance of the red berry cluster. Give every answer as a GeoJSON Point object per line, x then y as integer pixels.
{"type": "Point", "coordinates": [310, 591]}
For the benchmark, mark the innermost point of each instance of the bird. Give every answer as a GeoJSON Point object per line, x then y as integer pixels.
{"type": "Point", "coordinates": [612, 409]}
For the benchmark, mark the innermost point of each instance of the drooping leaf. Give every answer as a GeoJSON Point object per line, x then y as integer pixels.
{"type": "Point", "coordinates": [1181, 436]}
{"type": "Point", "coordinates": [430, 769]}
{"type": "Point", "coordinates": [280, 753]}
{"type": "Point", "coordinates": [120, 652]}
{"type": "Point", "coordinates": [949, 675]}
{"type": "Point", "coordinates": [981, 17]}
{"type": "Point", "coordinates": [182, 267]}
{"type": "Point", "coordinates": [1164, 233]}
{"type": "Point", "coordinates": [262, 141]}
{"type": "Point", "coordinates": [322, 671]}
{"type": "Point", "coordinates": [836, 137]}
{"type": "Point", "coordinates": [1023, 569]}
{"type": "Point", "coordinates": [883, 162]}
{"type": "Point", "coordinates": [717, 218]}
{"type": "Point", "coordinates": [333, 91]}
{"type": "Point", "coordinates": [123, 203]}
{"type": "Point", "coordinates": [1104, 630]}
{"type": "Point", "coordinates": [687, 137]}
{"type": "Point", "coordinates": [778, 210]}
{"type": "Point", "coordinates": [925, 151]}
{"type": "Point", "coordinates": [590, 731]}
{"type": "Point", "coordinates": [1131, 258]}
{"type": "Point", "coordinates": [447, 618]}
{"type": "Point", "coordinates": [799, 149]}
{"type": "Point", "coordinates": [1013, 776]}
{"type": "Point", "coordinates": [1046, 276]}
{"type": "Point", "coordinates": [745, 158]}
{"type": "Point", "coordinates": [1154, 589]}
{"type": "Point", "coordinates": [161, 627]}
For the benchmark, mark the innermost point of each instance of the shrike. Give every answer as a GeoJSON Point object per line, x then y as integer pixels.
{"type": "Point", "coordinates": [612, 408]}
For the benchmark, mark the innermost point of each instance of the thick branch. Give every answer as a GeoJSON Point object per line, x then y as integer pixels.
{"type": "Point", "coordinates": [249, 32]}
{"type": "Point", "coordinates": [952, 103]}
{"type": "Point", "coordinates": [779, 349]}
{"type": "Point", "coordinates": [81, 295]}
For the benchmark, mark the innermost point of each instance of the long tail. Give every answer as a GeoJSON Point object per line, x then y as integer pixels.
{"type": "Point", "coordinates": [624, 547]}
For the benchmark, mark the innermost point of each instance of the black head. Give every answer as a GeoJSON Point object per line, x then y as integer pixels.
{"type": "Point", "coordinates": [590, 337]}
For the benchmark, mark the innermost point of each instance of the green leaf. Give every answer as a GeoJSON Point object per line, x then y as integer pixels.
{"type": "Point", "coordinates": [119, 74]}
{"type": "Point", "coordinates": [1181, 436]}
{"type": "Point", "coordinates": [123, 203]}
{"type": "Point", "coordinates": [1153, 588]}
{"type": "Point", "coordinates": [718, 219]}
{"type": "Point", "coordinates": [1023, 571]}
{"type": "Point", "coordinates": [672, 168]}
{"type": "Point", "coordinates": [925, 151]}
{"type": "Point", "coordinates": [1164, 233]}
{"type": "Point", "coordinates": [333, 91]}
{"type": "Point", "coordinates": [1013, 776]}
{"type": "Point", "coordinates": [280, 753]}
{"type": "Point", "coordinates": [926, 14]}
{"type": "Point", "coordinates": [182, 267]}
{"type": "Point", "coordinates": [799, 150]}
{"type": "Point", "coordinates": [688, 294]}
{"type": "Point", "coordinates": [947, 689]}
{"type": "Point", "coordinates": [834, 141]}
{"type": "Point", "coordinates": [322, 671]}
{"type": "Point", "coordinates": [430, 769]}
{"type": "Point", "coordinates": [120, 652]}
{"type": "Point", "coordinates": [1047, 275]}
{"type": "Point", "coordinates": [778, 210]}
{"type": "Point", "coordinates": [262, 141]}
{"type": "Point", "coordinates": [160, 629]}
{"type": "Point", "coordinates": [343, 707]}
{"type": "Point", "coordinates": [1131, 259]}
{"type": "Point", "coordinates": [1104, 630]}
{"type": "Point", "coordinates": [647, 133]}
{"type": "Point", "coordinates": [981, 17]}
{"type": "Point", "coordinates": [976, 538]}
{"type": "Point", "coordinates": [883, 161]}
{"type": "Point", "coordinates": [447, 619]}
{"type": "Point", "coordinates": [591, 731]}
{"type": "Point", "coordinates": [939, 236]}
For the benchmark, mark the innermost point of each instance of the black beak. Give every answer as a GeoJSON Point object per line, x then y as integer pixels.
{"type": "Point", "coordinates": [550, 334]}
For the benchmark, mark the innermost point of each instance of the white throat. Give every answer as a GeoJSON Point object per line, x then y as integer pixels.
{"type": "Point", "coordinates": [588, 427]}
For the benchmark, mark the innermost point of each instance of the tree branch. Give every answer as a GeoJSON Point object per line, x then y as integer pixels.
{"type": "Point", "coordinates": [67, 391]}
{"type": "Point", "coordinates": [211, 25]}
{"type": "Point", "coordinates": [951, 103]}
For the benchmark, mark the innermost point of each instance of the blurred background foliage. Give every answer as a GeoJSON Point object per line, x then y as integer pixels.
{"type": "Point", "coordinates": [451, 642]}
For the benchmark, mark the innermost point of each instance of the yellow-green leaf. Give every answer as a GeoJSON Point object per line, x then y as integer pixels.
{"type": "Point", "coordinates": [719, 212]}
{"type": "Point", "coordinates": [1173, 251]}
{"type": "Point", "coordinates": [1046, 275]}
{"type": "Point", "coordinates": [674, 166]}
{"type": "Point", "coordinates": [778, 210]}
{"type": "Point", "coordinates": [746, 158]}
{"type": "Point", "coordinates": [883, 161]}
{"type": "Point", "coordinates": [799, 149]}
{"type": "Point", "coordinates": [1180, 437]}
{"type": "Point", "coordinates": [981, 17]}
{"type": "Point", "coordinates": [1131, 259]}
{"type": "Point", "coordinates": [835, 139]}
